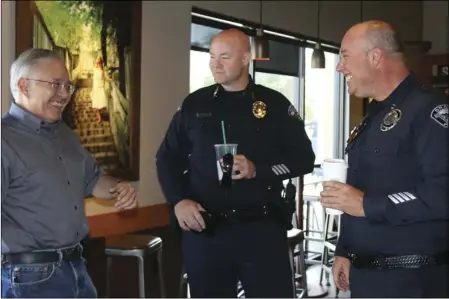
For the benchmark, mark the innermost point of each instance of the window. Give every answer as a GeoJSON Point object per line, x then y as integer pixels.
{"type": "Point", "coordinates": [323, 115]}
{"type": "Point", "coordinates": [200, 74]}
{"type": "Point", "coordinates": [287, 85]}
{"type": "Point", "coordinates": [281, 71]}
{"type": "Point", "coordinates": [201, 35]}
{"type": "Point", "coordinates": [322, 106]}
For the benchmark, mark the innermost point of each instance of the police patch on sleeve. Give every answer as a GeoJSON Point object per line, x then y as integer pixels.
{"type": "Point", "coordinates": [293, 112]}
{"type": "Point", "coordinates": [440, 115]}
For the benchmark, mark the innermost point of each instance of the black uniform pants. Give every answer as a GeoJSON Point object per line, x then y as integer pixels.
{"type": "Point", "coordinates": [432, 282]}
{"type": "Point", "coordinates": [255, 253]}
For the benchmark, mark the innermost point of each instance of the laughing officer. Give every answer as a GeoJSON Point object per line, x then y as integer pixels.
{"type": "Point", "coordinates": [244, 238]}
{"type": "Point", "coordinates": [394, 233]}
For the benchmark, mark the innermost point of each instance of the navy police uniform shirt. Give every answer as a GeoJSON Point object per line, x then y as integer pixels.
{"type": "Point", "coordinates": [277, 144]}
{"type": "Point", "coordinates": [400, 160]}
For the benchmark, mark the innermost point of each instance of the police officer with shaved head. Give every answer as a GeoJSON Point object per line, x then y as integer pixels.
{"type": "Point", "coordinates": [394, 230]}
{"type": "Point", "coordinates": [234, 229]}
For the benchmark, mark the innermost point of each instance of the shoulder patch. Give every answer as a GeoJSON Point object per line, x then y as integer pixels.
{"type": "Point", "coordinates": [440, 114]}
{"type": "Point", "coordinates": [292, 111]}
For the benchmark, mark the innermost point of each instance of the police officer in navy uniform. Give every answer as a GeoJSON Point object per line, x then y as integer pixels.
{"type": "Point", "coordinates": [237, 232]}
{"type": "Point", "coordinates": [394, 231]}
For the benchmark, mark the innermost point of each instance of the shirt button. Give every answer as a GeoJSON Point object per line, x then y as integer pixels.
{"type": "Point", "coordinates": [77, 233]}
{"type": "Point", "coordinates": [60, 158]}
{"type": "Point", "coordinates": [68, 182]}
{"type": "Point", "coordinates": [354, 171]}
{"type": "Point", "coordinates": [76, 207]}
{"type": "Point", "coordinates": [376, 150]}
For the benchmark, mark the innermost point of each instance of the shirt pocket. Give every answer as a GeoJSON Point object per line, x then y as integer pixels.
{"type": "Point", "coordinates": [203, 134]}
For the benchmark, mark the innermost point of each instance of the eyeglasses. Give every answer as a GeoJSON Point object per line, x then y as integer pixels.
{"type": "Point", "coordinates": [58, 87]}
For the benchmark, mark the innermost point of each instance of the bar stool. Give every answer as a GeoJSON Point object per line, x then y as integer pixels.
{"type": "Point", "coordinates": [330, 237]}
{"type": "Point", "coordinates": [140, 247]}
{"type": "Point", "coordinates": [296, 238]}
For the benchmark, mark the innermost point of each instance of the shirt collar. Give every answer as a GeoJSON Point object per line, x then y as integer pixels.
{"type": "Point", "coordinates": [30, 120]}
{"type": "Point", "coordinates": [248, 89]}
{"type": "Point", "coordinates": [401, 91]}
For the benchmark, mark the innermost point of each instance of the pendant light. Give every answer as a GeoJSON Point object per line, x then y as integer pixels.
{"type": "Point", "coordinates": [260, 48]}
{"type": "Point", "coordinates": [318, 59]}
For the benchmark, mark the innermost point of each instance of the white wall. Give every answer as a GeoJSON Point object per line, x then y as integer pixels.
{"type": "Point", "coordinates": [8, 46]}
{"type": "Point", "coordinates": [165, 55]}
{"type": "Point", "coordinates": [436, 26]}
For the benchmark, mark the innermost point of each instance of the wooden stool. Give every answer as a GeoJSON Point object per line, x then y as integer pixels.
{"type": "Point", "coordinates": [138, 246]}
{"type": "Point", "coordinates": [296, 238]}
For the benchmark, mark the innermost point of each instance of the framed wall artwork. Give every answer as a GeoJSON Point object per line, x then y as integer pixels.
{"type": "Point", "coordinates": [100, 42]}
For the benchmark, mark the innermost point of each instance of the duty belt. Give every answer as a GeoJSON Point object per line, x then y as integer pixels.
{"type": "Point", "coordinates": [412, 261]}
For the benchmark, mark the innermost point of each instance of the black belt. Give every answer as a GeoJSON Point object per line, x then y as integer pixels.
{"type": "Point", "coordinates": [412, 261]}
{"type": "Point", "coordinates": [43, 257]}
{"type": "Point", "coordinates": [244, 215]}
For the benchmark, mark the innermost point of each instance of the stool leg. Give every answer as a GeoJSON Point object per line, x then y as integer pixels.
{"type": "Point", "coordinates": [183, 285]}
{"type": "Point", "coordinates": [292, 264]}
{"type": "Point", "coordinates": [302, 268]}
{"type": "Point", "coordinates": [324, 252]}
{"type": "Point", "coordinates": [161, 273]}
{"type": "Point", "coordinates": [141, 263]}
{"type": "Point", "coordinates": [108, 276]}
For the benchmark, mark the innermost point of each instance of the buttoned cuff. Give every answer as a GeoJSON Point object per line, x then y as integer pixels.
{"type": "Point", "coordinates": [263, 171]}
{"type": "Point", "coordinates": [340, 250]}
{"type": "Point", "coordinates": [375, 207]}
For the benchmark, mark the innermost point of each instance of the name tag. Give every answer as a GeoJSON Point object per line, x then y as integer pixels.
{"type": "Point", "coordinates": [203, 114]}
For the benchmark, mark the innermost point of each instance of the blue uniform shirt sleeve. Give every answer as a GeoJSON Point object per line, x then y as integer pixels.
{"type": "Point", "coordinates": [296, 156]}
{"type": "Point", "coordinates": [172, 160]}
{"type": "Point", "coordinates": [429, 199]}
{"type": "Point", "coordinates": [91, 172]}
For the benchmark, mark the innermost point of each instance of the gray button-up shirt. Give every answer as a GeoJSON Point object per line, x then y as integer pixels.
{"type": "Point", "coordinates": [46, 174]}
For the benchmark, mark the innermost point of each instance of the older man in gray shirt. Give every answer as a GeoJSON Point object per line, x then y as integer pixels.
{"type": "Point", "coordinates": [46, 174]}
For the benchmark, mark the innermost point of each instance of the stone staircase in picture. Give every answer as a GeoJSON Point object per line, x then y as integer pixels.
{"type": "Point", "coordinates": [96, 138]}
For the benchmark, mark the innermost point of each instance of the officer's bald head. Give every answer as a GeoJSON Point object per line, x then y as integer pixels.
{"type": "Point", "coordinates": [374, 35]}
{"type": "Point", "coordinates": [372, 59]}
{"type": "Point", "coordinates": [235, 38]}
{"type": "Point", "coordinates": [230, 53]}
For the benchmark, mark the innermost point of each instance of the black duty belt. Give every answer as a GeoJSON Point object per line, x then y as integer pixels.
{"type": "Point", "coordinates": [244, 215]}
{"type": "Point", "coordinates": [43, 257]}
{"type": "Point", "coordinates": [412, 261]}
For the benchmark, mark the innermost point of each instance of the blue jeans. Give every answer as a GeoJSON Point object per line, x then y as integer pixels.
{"type": "Point", "coordinates": [53, 280]}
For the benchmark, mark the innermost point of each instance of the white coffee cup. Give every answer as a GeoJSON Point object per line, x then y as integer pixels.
{"type": "Point", "coordinates": [334, 170]}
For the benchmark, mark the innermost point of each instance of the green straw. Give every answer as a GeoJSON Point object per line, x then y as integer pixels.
{"type": "Point", "coordinates": [223, 132]}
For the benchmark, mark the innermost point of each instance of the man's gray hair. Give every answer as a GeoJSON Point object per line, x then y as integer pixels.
{"type": "Point", "coordinates": [24, 64]}
{"type": "Point", "coordinates": [382, 35]}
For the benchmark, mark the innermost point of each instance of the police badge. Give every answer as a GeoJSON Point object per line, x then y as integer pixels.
{"type": "Point", "coordinates": [259, 109]}
{"type": "Point", "coordinates": [390, 120]}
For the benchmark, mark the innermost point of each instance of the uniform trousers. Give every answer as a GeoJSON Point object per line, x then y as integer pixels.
{"type": "Point", "coordinates": [431, 282]}
{"type": "Point", "coordinates": [254, 253]}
